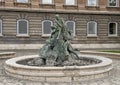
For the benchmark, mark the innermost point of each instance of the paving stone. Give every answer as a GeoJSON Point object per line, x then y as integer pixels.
{"type": "Point", "coordinates": [2, 84]}
{"type": "Point", "coordinates": [13, 84]}
{"type": "Point", "coordinates": [80, 84]}
{"type": "Point", "coordinates": [94, 83]}
{"type": "Point", "coordinates": [105, 83]}
{"type": "Point", "coordinates": [34, 83]}
{"type": "Point", "coordinates": [47, 84]}
{"type": "Point", "coordinates": [1, 71]}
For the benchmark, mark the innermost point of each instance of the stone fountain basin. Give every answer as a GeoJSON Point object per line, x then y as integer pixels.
{"type": "Point", "coordinates": [58, 74]}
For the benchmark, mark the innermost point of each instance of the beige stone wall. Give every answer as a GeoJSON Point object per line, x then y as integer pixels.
{"type": "Point", "coordinates": [35, 13]}
{"type": "Point", "coordinates": [59, 5]}
{"type": "Point", "coordinates": [35, 27]}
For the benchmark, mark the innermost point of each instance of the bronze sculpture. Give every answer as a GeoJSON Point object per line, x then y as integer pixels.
{"type": "Point", "coordinates": [58, 50]}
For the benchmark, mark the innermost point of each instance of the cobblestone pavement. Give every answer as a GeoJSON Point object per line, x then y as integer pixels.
{"type": "Point", "coordinates": [114, 79]}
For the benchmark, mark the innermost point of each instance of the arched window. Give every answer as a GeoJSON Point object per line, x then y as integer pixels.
{"type": "Point", "coordinates": [47, 1]}
{"type": "Point", "coordinates": [71, 26]}
{"type": "Point", "coordinates": [112, 28]}
{"type": "Point", "coordinates": [22, 1]}
{"type": "Point", "coordinates": [22, 27]}
{"type": "Point", "coordinates": [70, 2]}
{"type": "Point", "coordinates": [0, 27]}
{"type": "Point", "coordinates": [46, 27]}
{"type": "Point", "coordinates": [92, 28]}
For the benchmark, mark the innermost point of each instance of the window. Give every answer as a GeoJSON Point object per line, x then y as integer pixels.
{"type": "Point", "coordinates": [46, 27]}
{"type": "Point", "coordinates": [22, 27]}
{"type": "Point", "coordinates": [1, 0]}
{"type": "Point", "coordinates": [71, 25]}
{"type": "Point", "coordinates": [70, 2]}
{"type": "Point", "coordinates": [47, 1]}
{"type": "Point", "coordinates": [22, 1]}
{"type": "Point", "coordinates": [92, 2]}
{"type": "Point", "coordinates": [92, 28]}
{"type": "Point", "coordinates": [0, 27]}
{"type": "Point", "coordinates": [112, 29]}
{"type": "Point", "coordinates": [113, 3]}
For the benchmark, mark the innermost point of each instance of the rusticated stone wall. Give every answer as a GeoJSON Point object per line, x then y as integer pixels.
{"type": "Point", "coordinates": [9, 19]}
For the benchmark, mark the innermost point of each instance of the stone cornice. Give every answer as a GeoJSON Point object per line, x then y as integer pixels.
{"type": "Point", "coordinates": [12, 9]}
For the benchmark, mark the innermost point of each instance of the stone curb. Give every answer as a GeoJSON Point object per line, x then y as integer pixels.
{"type": "Point", "coordinates": [5, 55]}
{"type": "Point", "coordinates": [106, 54]}
{"type": "Point", "coordinates": [79, 46]}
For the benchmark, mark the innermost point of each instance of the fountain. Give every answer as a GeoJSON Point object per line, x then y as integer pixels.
{"type": "Point", "coordinates": [58, 61]}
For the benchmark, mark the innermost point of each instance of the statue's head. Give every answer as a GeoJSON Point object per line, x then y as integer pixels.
{"type": "Point", "coordinates": [57, 16]}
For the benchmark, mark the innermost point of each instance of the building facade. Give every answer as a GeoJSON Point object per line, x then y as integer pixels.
{"type": "Point", "coordinates": [95, 23]}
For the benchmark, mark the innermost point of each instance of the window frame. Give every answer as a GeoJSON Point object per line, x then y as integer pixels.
{"type": "Point", "coordinates": [43, 28]}
{"type": "Point", "coordinates": [47, 3]}
{"type": "Point", "coordinates": [92, 5]}
{"type": "Point", "coordinates": [113, 35]}
{"type": "Point", "coordinates": [117, 3]}
{"type": "Point", "coordinates": [92, 35]}
{"type": "Point", "coordinates": [74, 33]}
{"type": "Point", "coordinates": [19, 34]}
{"type": "Point", "coordinates": [1, 27]}
{"type": "Point", "coordinates": [70, 4]}
{"type": "Point", "coordinates": [21, 1]}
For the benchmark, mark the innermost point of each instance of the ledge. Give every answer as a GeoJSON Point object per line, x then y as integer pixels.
{"type": "Point", "coordinates": [46, 35]}
{"type": "Point", "coordinates": [91, 36]}
{"type": "Point", "coordinates": [20, 3]}
{"type": "Point", "coordinates": [79, 46]}
{"type": "Point", "coordinates": [92, 6]}
{"type": "Point", "coordinates": [106, 54]}
{"type": "Point", "coordinates": [112, 36]}
{"type": "Point", "coordinates": [37, 10]}
{"type": "Point", "coordinates": [1, 35]}
{"type": "Point", "coordinates": [5, 55]}
{"type": "Point", "coordinates": [51, 5]}
{"type": "Point", "coordinates": [74, 6]}
{"type": "Point", "coordinates": [22, 35]}
{"type": "Point", "coordinates": [117, 7]}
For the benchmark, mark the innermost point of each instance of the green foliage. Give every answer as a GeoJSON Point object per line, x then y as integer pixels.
{"type": "Point", "coordinates": [112, 51]}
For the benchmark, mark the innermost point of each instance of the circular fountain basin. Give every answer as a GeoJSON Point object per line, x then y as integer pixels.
{"type": "Point", "coordinates": [59, 74]}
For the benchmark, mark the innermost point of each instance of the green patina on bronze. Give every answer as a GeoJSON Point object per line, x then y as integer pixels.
{"type": "Point", "coordinates": [58, 50]}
